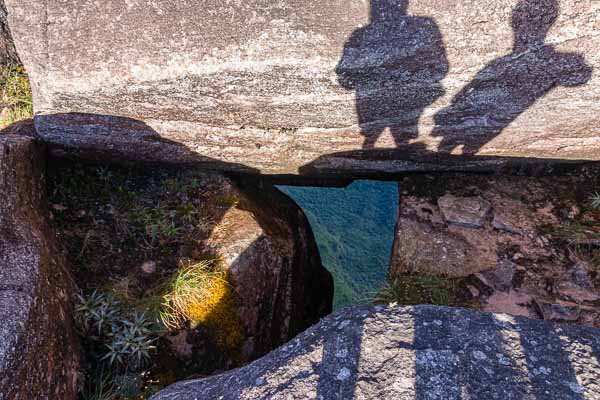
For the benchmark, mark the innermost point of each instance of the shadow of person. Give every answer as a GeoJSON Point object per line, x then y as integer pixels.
{"type": "Point", "coordinates": [395, 65]}
{"type": "Point", "coordinates": [508, 86]}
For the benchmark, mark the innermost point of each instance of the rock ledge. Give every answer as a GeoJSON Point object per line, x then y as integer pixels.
{"type": "Point", "coordinates": [426, 352]}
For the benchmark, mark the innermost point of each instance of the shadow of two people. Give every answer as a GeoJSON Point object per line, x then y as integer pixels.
{"type": "Point", "coordinates": [397, 62]}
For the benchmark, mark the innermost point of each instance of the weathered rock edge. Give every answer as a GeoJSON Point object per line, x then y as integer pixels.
{"type": "Point", "coordinates": [306, 293]}
{"type": "Point", "coordinates": [425, 352]}
{"type": "Point", "coordinates": [274, 266]}
{"type": "Point", "coordinates": [39, 355]}
{"type": "Point", "coordinates": [288, 87]}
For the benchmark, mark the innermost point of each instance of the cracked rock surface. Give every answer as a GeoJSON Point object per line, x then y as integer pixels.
{"type": "Point", "coordinates": [421, 352]}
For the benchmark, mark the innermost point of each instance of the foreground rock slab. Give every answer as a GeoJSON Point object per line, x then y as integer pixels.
{"type": "Point", "coordinates": [302, 87]}
{"type": "Point", "coordinates": [424, 352]}
{"type": "Point", "coordinates": [38, 348]}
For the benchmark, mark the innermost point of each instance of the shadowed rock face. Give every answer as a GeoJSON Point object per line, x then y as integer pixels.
{"type": "Point", "coordinates": [421, 352]}
{"type": "Point", "coordinates": [270, 254]}
{"type": "Point", "coordinates": [288, 87]}
{"type": "Point", "coordinates": [38, 347]}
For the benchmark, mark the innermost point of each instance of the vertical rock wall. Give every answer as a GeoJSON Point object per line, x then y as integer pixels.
{"type": "Point", "coordinates": [38, 347]}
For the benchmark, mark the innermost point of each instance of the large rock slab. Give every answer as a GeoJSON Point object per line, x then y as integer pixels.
{"type": "Point", "coordinates": [288, 87]}
{"type": "Point", "coordinates": [38, 348]}
{"type": "Point", "coordinates": [422, 352]}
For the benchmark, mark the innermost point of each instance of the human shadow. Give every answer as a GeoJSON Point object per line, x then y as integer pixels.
{"type": "Point", "coordinates": [418, 352]}
{"type": "Point", "coordinates": [395, 65]}
{"type": "Point", "coordinates": [509, 85]}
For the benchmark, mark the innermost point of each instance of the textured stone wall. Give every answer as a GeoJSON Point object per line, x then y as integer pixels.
{"type": "Point", "coordinates": [39, 356]}
{"type": "Point", "coordinates": [8, 53]}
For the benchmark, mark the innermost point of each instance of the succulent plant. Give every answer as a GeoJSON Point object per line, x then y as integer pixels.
{"type": "Point", "coordinates": [129, 348]}
{"type": "Point", "coordinates": [128, 340]}
{"type": "Point", "coordinates": [594, 200]}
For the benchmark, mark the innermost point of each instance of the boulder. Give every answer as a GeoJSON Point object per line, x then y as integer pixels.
{"type": "Point", "coordinates": [421, 352]}
{"type": "Point", "coordinates": [38, 348]}
{"type": "Point", "coordinates": [336, 87]}
{"type": "Point", "coordinates": [556, 312]}
{"type": "Point", "coordinates": [500, 278]}
{"type": "Point", "coordinates": [425, 243]}
{"type": "Point", "coordinates": [464, 211]}
{"type": "Point", "coordinates": [576, 285]}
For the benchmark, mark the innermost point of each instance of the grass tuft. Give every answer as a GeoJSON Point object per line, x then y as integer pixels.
{"type": "Point", "coordinates": [200, 294]}
{"type": "Point", "coordinates": [414, 289]}
{"type": "Point", "coordinates": [99, 386]}
{"type": "Point", "coordinates": [15, 95]}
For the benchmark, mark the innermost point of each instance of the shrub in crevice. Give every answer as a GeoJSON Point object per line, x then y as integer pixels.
{"type": "Point", "coordinates": [117, 344]}
{"type": "Point", "coordinates": [200, 294]}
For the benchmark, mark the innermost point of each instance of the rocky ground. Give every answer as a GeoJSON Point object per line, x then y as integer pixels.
{"type": "Point", "coordinates": [521, 245]}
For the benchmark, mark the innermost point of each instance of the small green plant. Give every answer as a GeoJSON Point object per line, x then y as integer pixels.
{"type": "Point", "coordinates": [99, 386]}
{"type": "Point", "coordinates": [15, 95]}
{"type": "Point", "coordinates": [129, 347]}
{"type": "Point", "coordinates": [104, 173]}
{"type": "Point", "coordinates": [594, 200]}
{"type": "Point", "coordinates": [415, 289]}
{"type": "Point", "coordinates": [127, 340]}
{"type": "Point", "coordinates": [87, 308]}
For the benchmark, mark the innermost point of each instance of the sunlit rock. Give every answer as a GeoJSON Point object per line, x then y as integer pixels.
{"type": "Point", "coordinates": [422, 352]}
{"type": "Point", "coordinates": [335, 87]}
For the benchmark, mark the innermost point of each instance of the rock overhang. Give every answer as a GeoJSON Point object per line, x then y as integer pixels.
{"type": "Point", "coordinates": [313, 89]}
